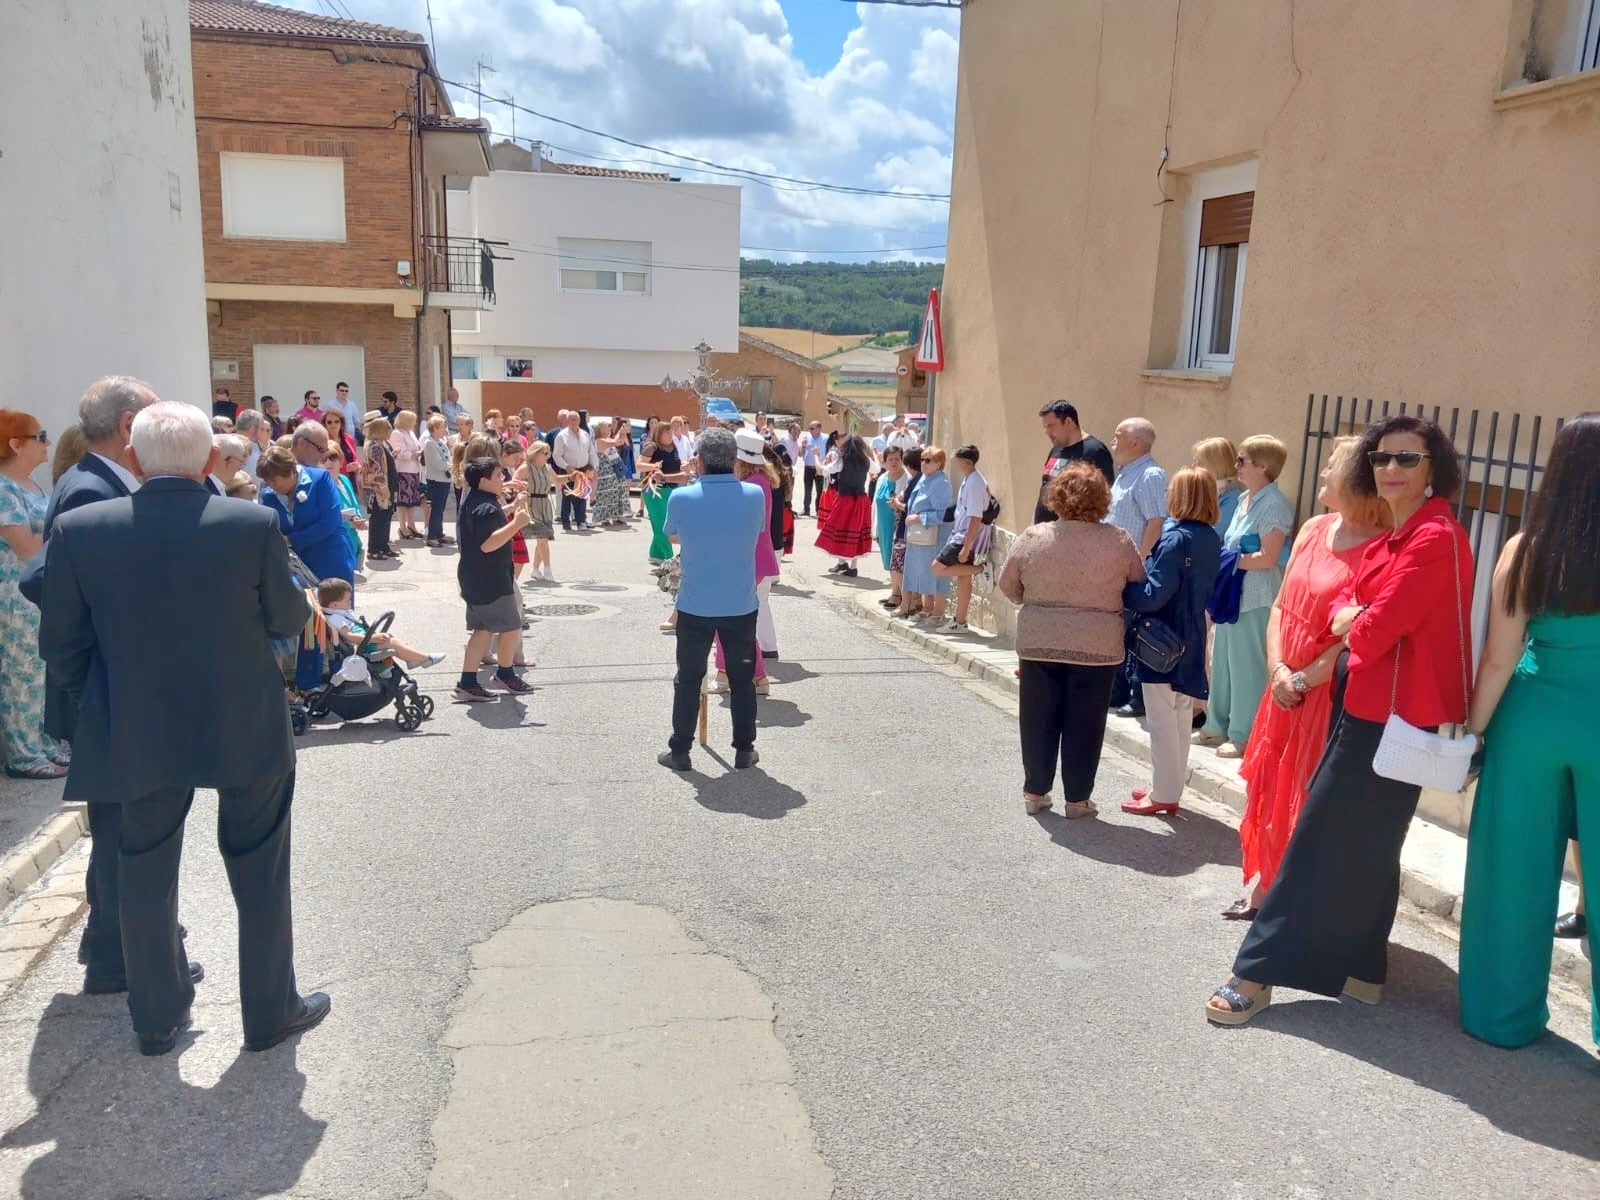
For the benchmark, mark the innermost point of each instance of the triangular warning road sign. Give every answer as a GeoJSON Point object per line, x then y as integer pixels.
{"type": "Point", "coordinates": [930, 349]}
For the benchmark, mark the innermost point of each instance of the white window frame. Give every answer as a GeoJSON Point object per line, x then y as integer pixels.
{"type": "Point", "coordinates": [1204, 305]}
{"type": "Point", "coordinates": [571, 259]}
{"type": "Point", "coordinates": [1589, 39]}
{"type": "Point", "coordinates": [231, 215]}
{"type": "Point", "coordinates": [1203, 186]}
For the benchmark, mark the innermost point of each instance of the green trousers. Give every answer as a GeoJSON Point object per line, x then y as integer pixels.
{"type": "Point", "coordinates": [1540, 786]}
{"type": "Point", "coordinates": [1238, 676]}
{"type": "Point", "coordinates": [655, 507]}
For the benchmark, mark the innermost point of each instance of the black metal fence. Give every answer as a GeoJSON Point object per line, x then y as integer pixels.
{"type": "Point", "coordinates": [459, 266]}
{"type": "Point", "coordinates": [1501, 466]}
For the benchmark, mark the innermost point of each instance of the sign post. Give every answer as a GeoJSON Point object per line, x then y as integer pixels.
{"type": "Point", "coordinates": [930, 353]}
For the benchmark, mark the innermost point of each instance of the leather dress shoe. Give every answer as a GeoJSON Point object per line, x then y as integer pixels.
{"type": "Point", "coordinates": [677, 762]}
{"type": "Point", "coordinates": [155, 1045]}
{"type": "Point", "coordinates": [1572, 925]}
{"type": "Point", "coordinates": [110, 987]}
{"type": "Point", "coordinates": [744, 759]}
{"type": "Point", "coordinates": [312, 1009]}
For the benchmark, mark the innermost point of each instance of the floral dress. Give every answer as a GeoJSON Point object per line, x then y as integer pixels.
{"type": "Point", "coordinates": [611, 489]}
{"type": "Point", "coordinates": [27, 747]}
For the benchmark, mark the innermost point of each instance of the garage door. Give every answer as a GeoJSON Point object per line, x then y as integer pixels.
{"type": "Point", "coordinates": [285, 372]}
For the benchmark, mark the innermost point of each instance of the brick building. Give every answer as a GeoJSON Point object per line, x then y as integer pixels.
{"type": "Point", "coordinates": [781, 382]}
{"type": "Point", "coordinates": [323, 147]}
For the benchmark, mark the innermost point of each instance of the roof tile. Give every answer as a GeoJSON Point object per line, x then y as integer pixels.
{"type": "Point", "coordinates": [254, 17]}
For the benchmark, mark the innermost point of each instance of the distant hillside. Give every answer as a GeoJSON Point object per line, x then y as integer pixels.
{"type": "Point", "coordinates": [836, 297]}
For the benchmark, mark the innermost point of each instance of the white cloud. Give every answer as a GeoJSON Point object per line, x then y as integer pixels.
{"type": "Point", "coordinates": [719, 79]}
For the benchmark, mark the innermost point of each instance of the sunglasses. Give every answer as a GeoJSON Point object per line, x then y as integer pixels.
{"type": "Point", "coordinates": [1241, 461]}
{"type": "Point", "coordinates": [41, 437]}
{"type": "Point", "coordinates": [1400, 458]}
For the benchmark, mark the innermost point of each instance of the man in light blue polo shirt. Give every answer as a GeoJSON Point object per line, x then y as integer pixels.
{"type": "Point", "coordinates": [715, 524]}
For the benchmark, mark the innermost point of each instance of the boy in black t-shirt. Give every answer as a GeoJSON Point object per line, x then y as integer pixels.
{"type": "Point", "coordinates": [486, 576]}
{"type": "Point", "coordinates": [1068, 444]}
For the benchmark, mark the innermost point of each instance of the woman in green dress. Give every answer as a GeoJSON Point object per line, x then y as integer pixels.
{"type": "Point", "coordinates": [1535, 707]}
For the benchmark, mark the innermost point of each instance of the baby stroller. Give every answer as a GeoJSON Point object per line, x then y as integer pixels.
{"type": "Point", "coordinates": [358, 687]}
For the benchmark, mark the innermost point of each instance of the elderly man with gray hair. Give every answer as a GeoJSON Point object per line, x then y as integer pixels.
{"type": "Point", "coordinates": [107, 472]}
{"type": "Point", "coordinates": [715, 522]}
{"type": "Point", "coordinates": [1138, 508]}
{"type": "Point", "coordinates": [252, 426]}
{"type": "Point", "coordinates": [115, 573]}
{"type": "Point", "coordinates": [309, 444]}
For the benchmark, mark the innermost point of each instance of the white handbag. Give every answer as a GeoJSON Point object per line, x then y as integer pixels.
{"type": "Point", "coordinates": [1407, 754]}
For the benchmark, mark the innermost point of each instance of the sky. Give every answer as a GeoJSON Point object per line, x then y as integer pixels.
{"type": "Point", "coordinates": [845, 93]}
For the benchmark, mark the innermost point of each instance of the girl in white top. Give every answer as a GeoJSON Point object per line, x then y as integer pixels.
{"type": "Point", "coordinates": [964, 554]}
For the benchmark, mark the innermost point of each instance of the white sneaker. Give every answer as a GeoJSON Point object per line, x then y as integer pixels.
{"type": "Point", "coordinates": [428, 660]}
{"type": "Point", "coordinates": [952, 627]}
{"type": "Point", "coordinates": [548, 575]}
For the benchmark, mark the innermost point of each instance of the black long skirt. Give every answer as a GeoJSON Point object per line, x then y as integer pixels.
{"type": "Point", "coordinates": [1330, 910]}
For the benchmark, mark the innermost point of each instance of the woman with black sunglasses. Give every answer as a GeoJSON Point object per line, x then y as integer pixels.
{"type": "Point", "coordinates": [30, 753]}
{"type": "Point", "coordinates": [1541, 765]}
{"type": "Point", "coordinates": [1324, 926]}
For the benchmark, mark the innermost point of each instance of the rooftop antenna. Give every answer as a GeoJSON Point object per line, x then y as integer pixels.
{"type": "Point", "coordinates": [432, 45]}
{"type": "Point", "coordinates": [483, 65]}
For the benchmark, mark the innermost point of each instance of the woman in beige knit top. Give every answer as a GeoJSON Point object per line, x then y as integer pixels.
{"type": "Point", "coordinates": [1068, 576]}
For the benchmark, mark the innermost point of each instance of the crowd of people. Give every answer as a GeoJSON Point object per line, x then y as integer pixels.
{"type": "Point", "coordinates": [1327, 660]}
{"type": "Point", "coordinates": [1188, 600]}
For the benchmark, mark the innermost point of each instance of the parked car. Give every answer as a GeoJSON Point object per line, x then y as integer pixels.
{"type": "Point", "coordinates": [723, 409]}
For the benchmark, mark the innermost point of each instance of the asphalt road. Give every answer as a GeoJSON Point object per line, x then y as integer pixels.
{"type": "Point", "coordinates": [976, 1003]}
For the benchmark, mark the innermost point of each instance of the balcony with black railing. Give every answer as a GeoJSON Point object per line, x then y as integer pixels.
{"type": "Point", "coordinates": [458, 272]}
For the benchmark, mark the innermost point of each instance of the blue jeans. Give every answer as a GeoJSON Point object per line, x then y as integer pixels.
{"type": "Point", "coordinates": [438, 497]}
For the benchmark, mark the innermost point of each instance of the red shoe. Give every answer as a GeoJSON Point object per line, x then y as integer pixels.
{"type": "Point", "coordinates": [1139, 806]}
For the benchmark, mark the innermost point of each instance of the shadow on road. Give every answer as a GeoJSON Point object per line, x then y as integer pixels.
{"type": "Point", "coordinates": [784, 589]}
{"type": "Point", "coordinates": [780, 714]}
{"type": "Point", "coordinates": [123, 1125]}
{"type": "Point", "coordinates": [1192, 841]}
{"type": "Point", "coordinates": [1543, 1093]}
{"type": "Point", "coordinates": [785, 670]}
{"type": "Point", "coordinates": [751, 793]}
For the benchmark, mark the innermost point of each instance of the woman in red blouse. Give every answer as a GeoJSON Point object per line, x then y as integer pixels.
{"type": "Point", "coordinates": [1324, 926]}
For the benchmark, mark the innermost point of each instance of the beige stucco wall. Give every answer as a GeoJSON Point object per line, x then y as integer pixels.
{"type": "Point", "coordinates": [1411, 240]}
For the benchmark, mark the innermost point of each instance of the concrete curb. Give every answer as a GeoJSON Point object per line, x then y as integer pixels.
{"type": "Point", "coordinates": [23, 867]}
{"type": "Point", "coordinates": [1432, 867]}
{"type": "Point", "coordinates": [36, 917]}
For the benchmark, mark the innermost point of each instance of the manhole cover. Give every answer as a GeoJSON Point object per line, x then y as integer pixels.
{"type": "Point", "coordinates": [597, 587]}
{"type": "Point", "coordinates": [386, 585]}
{"type": "Point", "coordinates": [561, 610]}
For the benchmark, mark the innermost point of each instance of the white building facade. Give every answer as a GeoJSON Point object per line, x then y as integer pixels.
{"type": "Point", "coordinates": [103, 273]}
{"type": "Point", "coordinates": [614, 278]}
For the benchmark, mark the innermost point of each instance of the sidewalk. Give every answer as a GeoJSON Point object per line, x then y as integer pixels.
{"type": "Point", "coordinates": [1433, 865]}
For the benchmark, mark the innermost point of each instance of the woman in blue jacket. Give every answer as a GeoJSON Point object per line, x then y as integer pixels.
{"type": "Point", "coordinates": [1179, 574]}
{"type": "Point", "coordinates": [309, 513]}
{"type": "Point", "coordinates": [922, 591]}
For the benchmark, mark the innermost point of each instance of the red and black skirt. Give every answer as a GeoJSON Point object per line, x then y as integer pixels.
{"type": "Point", "coordinates": [847, 528]}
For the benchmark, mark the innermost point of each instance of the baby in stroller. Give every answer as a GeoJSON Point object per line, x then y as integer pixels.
{"type": "Point", "coordinates": [366, 667]}
{"type": "Point", "coordinates": [334, 595]}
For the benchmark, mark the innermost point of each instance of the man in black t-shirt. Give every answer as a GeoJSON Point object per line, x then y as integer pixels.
{"type": "Point", "coordinates": [487, 580]}
{"type": "Point", "coordinates": [1068, 444]}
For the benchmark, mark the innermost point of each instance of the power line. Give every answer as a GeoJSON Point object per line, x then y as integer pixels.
{"type": "Point", "coordinates": [740, 172]}
{"type": "Point", "coordinates": [770, 179]}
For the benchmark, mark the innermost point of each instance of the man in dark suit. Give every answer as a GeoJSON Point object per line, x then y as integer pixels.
{"type": "Point", "coordinates": [159, 714]}
{"type": "Point", "coordinates": [105, 414]}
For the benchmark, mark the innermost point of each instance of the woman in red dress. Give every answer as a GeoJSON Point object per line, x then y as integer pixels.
{"type": "Point", "coordinates": [846, 531]}
{"type": "Point", "coordinates": [1291, 726]}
